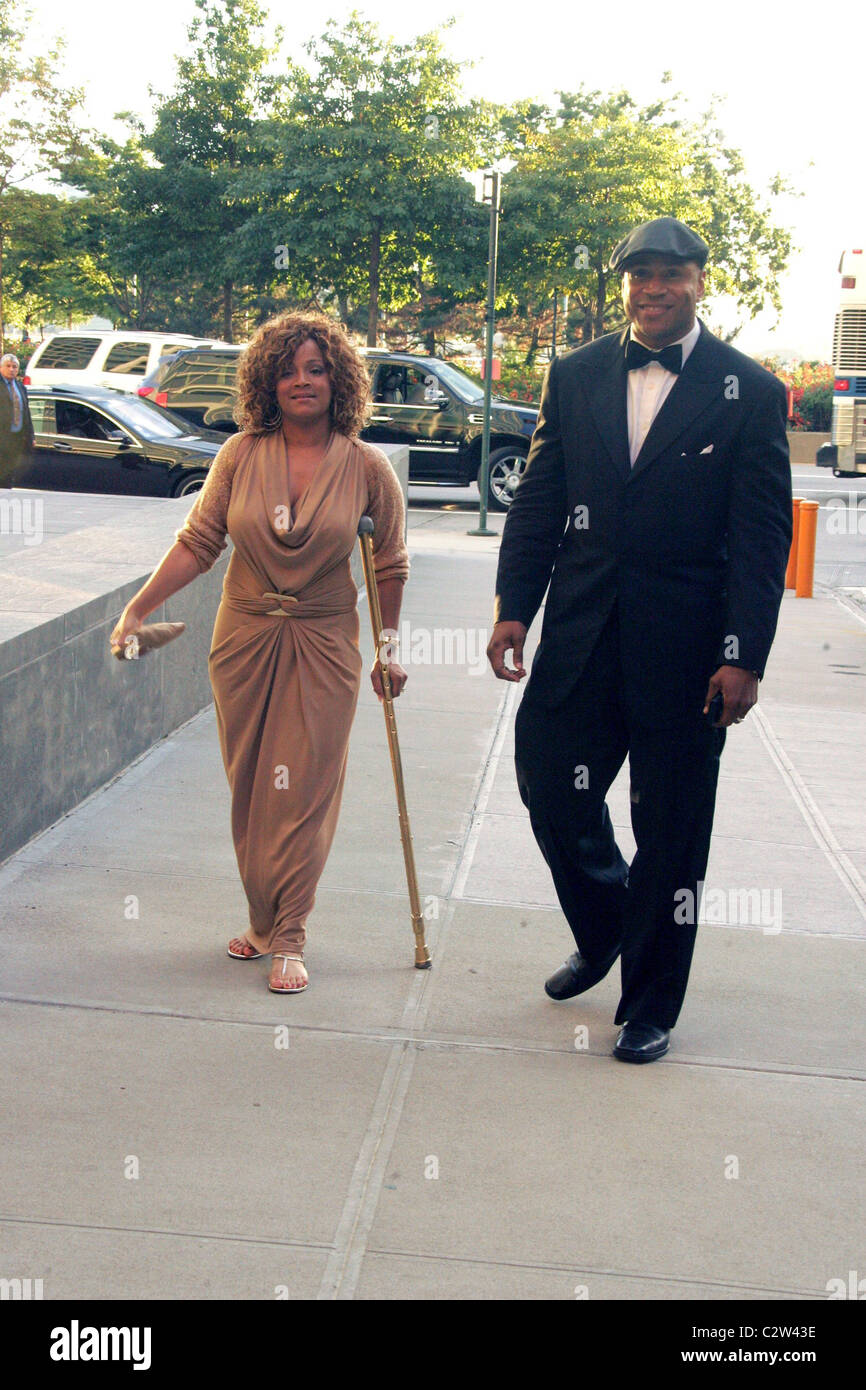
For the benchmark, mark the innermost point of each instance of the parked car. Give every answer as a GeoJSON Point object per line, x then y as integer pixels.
{"type": "Point", "coordinates": [94, 439]}
{"type": "Point", "coordinates": [98, 358]}
{"type": "Point", "coordinates": [421, 401]}
{"type": "Point", "coordinates": [197, 383]}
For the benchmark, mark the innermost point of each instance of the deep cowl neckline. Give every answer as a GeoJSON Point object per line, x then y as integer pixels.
{"type": "Point", "coordinates": [291, 525]}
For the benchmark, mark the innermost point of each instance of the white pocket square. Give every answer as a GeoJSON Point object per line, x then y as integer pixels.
{"type": "Point", "coordinates": [708, 450]}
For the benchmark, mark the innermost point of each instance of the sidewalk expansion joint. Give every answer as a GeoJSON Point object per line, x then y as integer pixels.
{"type": "Point", "coordinates": [600, 1271]}
{"type": "Point", "coordinates": [518, 905]}
{"type": "Point", "coordinates": [417, 1041]}
{"type": "Point", "coordinates": [821, 831]}
{"type": "Point", "coordinates": [343, 1270]}
{"type": "Point", "coordinates": [484, 788]}
{"type": "Point", "coordinates": [7, 1219]}
{"type": "Point", "coordinates": [180, 871]}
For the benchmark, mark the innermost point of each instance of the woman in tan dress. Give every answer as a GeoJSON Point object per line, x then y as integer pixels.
{"type": "Point", "coordinates": [284, 662]}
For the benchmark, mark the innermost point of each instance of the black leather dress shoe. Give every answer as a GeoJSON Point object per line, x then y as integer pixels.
{"type": "Point", "coordinates": [642, 1042]}
{"type": "Point", "coordinates": [576, 976]}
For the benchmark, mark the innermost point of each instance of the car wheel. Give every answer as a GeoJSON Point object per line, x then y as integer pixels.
{"type": "Point", "coordinates": [843, 473]}
{"type": "Point", "coordinates": [190, 482]}
{"type": "Point", "coordinates": [505, 471]}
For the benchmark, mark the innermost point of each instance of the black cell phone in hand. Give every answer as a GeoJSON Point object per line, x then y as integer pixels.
{"type": "Point", "coordinates": [716, 708]}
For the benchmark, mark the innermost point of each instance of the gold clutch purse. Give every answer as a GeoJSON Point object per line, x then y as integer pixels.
{"type": "Point", "coordinates": [147, 639]}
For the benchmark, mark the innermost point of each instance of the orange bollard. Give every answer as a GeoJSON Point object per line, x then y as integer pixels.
{"type": "Point", "coordinates": [806, 549]}
{"type": "Point", "coordinates": [791, 571]}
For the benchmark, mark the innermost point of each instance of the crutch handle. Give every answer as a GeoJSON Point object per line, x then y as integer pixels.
{"type": "Point", "coordinates": [365, 526]}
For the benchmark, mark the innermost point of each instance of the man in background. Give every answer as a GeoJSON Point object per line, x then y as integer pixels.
{"type": "Point", "coordinates": [16, 426]}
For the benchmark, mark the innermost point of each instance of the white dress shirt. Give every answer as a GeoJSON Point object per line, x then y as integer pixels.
{"type": "Point", "coordinates": [648, 389]}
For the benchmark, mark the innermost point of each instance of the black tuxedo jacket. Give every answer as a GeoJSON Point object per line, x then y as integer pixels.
{"type": "Point", "coordinates": [691, 543]}
{"type": "Point", "coordinates": [11, 445]}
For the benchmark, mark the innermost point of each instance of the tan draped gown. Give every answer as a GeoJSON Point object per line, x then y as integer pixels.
{"type": "Point", "coordinates": [284, 661]}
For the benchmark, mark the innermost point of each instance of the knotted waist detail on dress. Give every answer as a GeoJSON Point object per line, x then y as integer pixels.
{"type": "Point", "coordinates": [273, 603]}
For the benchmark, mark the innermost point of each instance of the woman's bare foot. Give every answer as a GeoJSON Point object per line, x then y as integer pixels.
{"type": "Point", "coordinates": [241, 949]}
{"type": "Point", "coordinates": [288, 975]}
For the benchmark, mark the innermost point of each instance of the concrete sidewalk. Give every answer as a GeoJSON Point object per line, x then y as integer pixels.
{"type": "Point", "coordinates": [447, 1134]}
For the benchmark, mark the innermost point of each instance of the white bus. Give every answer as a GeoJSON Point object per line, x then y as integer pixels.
{"type": "Point", "coordinates": [846, 453]}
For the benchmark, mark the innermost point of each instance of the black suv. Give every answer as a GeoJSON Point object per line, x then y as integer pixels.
{"type": "Point", "coordinates": [421, 401]}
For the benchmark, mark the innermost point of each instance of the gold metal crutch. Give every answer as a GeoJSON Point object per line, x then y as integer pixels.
{"type": "Point", "coordinates": [365, 532]}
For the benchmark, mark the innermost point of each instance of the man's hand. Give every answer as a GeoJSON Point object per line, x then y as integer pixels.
{"type": "Point", "coordinates": [509, 636]}
{"type": "Point", "coordinates": [739, 690]}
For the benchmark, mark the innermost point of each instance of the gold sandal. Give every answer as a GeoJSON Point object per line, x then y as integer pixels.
{"type": "Point", "coordinates": [286, 989]}
{"type": "Point", "coordinates": [251, 954]}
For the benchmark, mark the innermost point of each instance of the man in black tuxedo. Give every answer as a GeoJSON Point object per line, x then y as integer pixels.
{"type": "Point", "coordinates": [16, 426]}
{"type": "Point", "coordinates": [656, 503]}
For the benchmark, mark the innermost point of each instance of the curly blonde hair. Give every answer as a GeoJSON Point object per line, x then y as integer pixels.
{"type": "Point", "coordinates": [271, 352]}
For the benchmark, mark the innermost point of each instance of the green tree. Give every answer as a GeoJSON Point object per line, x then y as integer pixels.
{"type": "Point", "coordinates": [131, 269]}
{"type": "Point", "coordinates": [205, 136]}
{"type": "Point", "coordinates": [587, 172]}
{"type": "Point", "coordinates": [364, 189]}
{"type": "Point", "coordinates": [38, 127]}
{"type": "Point", "coordinates": [43, 278]}
{"type": "Point", "coordinates": [162, 231]}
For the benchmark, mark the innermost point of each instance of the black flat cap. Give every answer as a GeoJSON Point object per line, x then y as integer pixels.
{"type": "Point", "coordinates": [664, 236]}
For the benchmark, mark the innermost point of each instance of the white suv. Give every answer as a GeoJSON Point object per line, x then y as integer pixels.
{"type": "Point", "coordinates": [96, 358]}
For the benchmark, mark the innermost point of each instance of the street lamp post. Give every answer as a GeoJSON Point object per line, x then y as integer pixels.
{"type": "Point", "coordinates": [490, 197]}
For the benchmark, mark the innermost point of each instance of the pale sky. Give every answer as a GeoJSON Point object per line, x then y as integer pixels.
{"type": "Point", "coordinates": [793, 93]}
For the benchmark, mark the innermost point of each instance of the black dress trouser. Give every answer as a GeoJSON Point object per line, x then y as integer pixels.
{"type": "Point", "coordinates": [566, 759]}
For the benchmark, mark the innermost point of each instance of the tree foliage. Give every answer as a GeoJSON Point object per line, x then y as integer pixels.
{"type": "Point", "coordinates": [38, 125]}
{"type": "Point", "coordinates": [341, 181]}
{"type": "Point", "coordinates": [587, 172]}
{"type": "Point", "coordinates": [364, 188]}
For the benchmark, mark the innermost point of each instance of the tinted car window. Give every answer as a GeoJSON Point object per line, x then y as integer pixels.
{"type": "Point", "coordinates": [80, 421]}
{"type": "Point", "coordinates": [128, 357]}
{"type": "Point", "coordinates": [421, 387]}
{"type": "Point", "coordinates": [462, 385]}
{"type": "Point", "coordinates": [148, 420]}
{"type": "Point", "coordinates": [68, 354]}
{"type": "Point", "coordinates": [390, 387]}
{"type": "Point", "coordinates": [398, 383]}
{"type": "Point", "coordinates": [42, 414]}
{"type": "Point", "coordinates": [163, 365]}
{"type": "Point", "coordinates": [209, 371]}
{"type": "Point", "coordinates": [227, 371]}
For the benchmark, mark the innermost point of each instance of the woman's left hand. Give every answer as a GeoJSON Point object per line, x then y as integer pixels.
{"type": "Point", "coordinates": [398, 677]}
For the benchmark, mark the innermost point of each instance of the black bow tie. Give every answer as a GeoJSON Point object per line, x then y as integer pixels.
{"type": "Point", "coordinates": [636, 355]}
